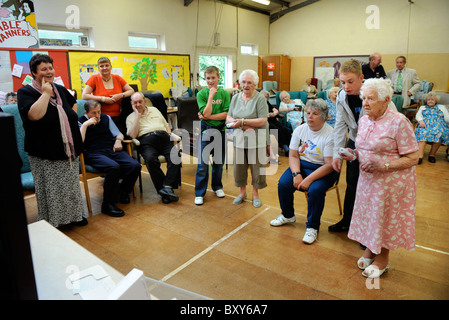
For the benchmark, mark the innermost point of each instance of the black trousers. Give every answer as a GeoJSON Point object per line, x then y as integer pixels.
{"type": "Point", "coordinates": [352, 177]}
{"type": "Point", "coordinates": [284, 136]}
{"type": "Point", "coordinates": [116, 165]}
{"type": "Point", "coordinates": [153, 145]}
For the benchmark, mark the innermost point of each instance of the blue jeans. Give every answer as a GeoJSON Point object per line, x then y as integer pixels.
{"type": "Point", "coordinates": [208, 146]}
{"type": "Point", "coordinates": [316, 193]}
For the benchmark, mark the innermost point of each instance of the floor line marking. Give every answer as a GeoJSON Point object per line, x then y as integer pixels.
{"type": "Point", "coordinates": [326, 221]}
{"type": "Point", "coordinates": [202, 253]}
{"type": "Point", "coordinates": [270, 207]}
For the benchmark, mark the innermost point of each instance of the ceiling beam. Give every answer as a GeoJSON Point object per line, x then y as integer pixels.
{"type": "Point", "coordinates": [242, 6]}
{"type": "Point", "coordinates": [282, 3]}
{"type": "Point", "coordinates": [282, 12]}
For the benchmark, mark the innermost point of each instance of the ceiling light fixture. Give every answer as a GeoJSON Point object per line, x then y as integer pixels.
{"type": "Point", "coordinates": [265, 2]}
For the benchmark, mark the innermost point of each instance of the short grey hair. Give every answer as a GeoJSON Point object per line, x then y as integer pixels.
{"type": "Point", "coordinates": [432, 94]}
{"type": "Point", "coordinates": [252, 73]}
{"type": "Point", "coordinates": [381, 86]}
{"type": "Point", "coordinates": [284, 93]}
{"type": "Point", "coordinates": [334, 89]}
{"type": "Point", "coordinates": [319, 105]}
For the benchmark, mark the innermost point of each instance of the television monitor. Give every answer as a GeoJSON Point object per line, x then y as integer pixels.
{"type": "Point", "coordinates": [16, 265]}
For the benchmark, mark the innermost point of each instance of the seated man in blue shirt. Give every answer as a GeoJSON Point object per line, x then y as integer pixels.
{"type": "Point", "coordinates": [103, 151]}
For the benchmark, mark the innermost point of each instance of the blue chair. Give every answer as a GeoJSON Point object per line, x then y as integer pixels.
{"type": "Point", "coordinates": [293, 95]}
{"type": "Point", "coordinates": [25, 172]}
{"type": "Point", "coordinates": [322, 95]}
{"type": "Point", "coordinates": [269, 85]}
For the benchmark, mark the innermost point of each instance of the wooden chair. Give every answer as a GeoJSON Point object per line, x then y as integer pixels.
{"type": "Point", "coordinates": [88, 172]}
{"type": "Point", "coordinates": [334, 187]}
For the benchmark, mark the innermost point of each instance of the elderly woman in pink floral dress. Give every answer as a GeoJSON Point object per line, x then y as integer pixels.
{"type": "Point", "coordinates": [384, 210]}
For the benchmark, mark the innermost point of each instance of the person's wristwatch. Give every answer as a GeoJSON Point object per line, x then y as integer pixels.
{"type": "Point", "coordinates": [294, 174]}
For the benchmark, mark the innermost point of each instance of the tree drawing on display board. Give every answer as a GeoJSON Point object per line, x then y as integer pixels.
{"type": "Point", "coordinates": [145, 72]}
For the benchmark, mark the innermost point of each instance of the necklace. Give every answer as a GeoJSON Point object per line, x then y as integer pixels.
{"type": "Point", "coordinates": [105, 79]}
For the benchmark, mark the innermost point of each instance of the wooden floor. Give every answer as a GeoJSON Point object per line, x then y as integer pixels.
{"type": "Point", "coordinates": [228, 252]}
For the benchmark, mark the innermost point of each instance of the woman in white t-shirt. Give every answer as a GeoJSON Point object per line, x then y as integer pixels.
{"type": "Point", "coordinates": [310, 169]}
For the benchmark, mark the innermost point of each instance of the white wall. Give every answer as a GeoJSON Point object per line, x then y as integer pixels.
{"type": "Point", "coordinates": [110, 22]}
{"type": "Point", "coordinates": [337, 27]}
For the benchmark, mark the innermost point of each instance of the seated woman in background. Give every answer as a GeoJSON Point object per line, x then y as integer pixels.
{"type": "Point", "coordinates": [332, 106]}
{"type": "Point", "coordinates": [335, 83]}
{"type": "Point", "coordinates": [310, 169]}
{"type": "Point", "coordinates": [432, 126]}
{"type": "Point", "coordinates": [293, 108]}
{"type": "Point", "coordinates": [11, 98]}
{"type": "Point", "coordinates": [283, 135]}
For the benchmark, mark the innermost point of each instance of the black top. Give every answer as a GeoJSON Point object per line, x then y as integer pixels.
{"type": "Point", "coordinates": [43, 137]}
{"type": "Point", "coordinates": [270, 109]}
{"type": "Point", "coordinates": [368, 73]}
{"type": "Point", "coordinates": [355, 104]}
{"type": "Point", "coordinates": [98, 137]}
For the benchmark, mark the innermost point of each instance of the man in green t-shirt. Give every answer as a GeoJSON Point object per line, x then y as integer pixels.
{"type": "Point", "coordinates": [213, 103]}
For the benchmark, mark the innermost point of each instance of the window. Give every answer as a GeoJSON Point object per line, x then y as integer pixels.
{"type": "Point", "coordinates": [146, 41]}
{"type": "Point", "coordinates": [218, 61]}
{"type": "Point", "coordinates": [249, 49]}
{"type": "Point", "coordinates": [62, 37]}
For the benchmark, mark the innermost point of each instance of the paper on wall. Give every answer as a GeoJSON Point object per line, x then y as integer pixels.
{"type": "Point", "coordinates": [165, 73]}
{"type": "Point", "coordinates": [17, 71]}
{"type": "Point", "coordinates": [85, 75]}
{"type": "Point", "coordinates": [117, 71]}
{"type": "Point", "coordinates": [59, 81]}
{"type": "Point", "coordinates": [28, 79]}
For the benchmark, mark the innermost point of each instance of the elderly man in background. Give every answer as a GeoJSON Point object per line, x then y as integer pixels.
{"type": "Point", "coordinates": [149, 126]}
{"type": "Point", "coordinates": [405, 81]}
{"type": "Point", "coordinates": [374, 69]}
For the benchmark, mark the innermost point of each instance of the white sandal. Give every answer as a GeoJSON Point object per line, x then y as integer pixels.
{"type": "Point", "coordinates": [366, 262]}
{"type": "Point", "coordinates": [373, 272]}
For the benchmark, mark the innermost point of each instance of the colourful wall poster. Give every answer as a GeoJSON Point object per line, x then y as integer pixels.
{"type": "Point", "coordinates": [18, 27]}
{"type": "Point", "coordinates": [147, 71]}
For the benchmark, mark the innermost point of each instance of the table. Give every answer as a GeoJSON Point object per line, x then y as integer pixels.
{"type": "Point", "coordinates": [55, 258]}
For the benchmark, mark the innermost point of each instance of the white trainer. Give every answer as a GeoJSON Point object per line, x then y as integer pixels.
{"type": "Point", "coordinates": [198, 200]}
{"type": "Point", "coordinates": [310, 236]}
{"type": "Point", "coordinates": [220, 193]}
{"type": "Point", "coordinates": [280, 220]}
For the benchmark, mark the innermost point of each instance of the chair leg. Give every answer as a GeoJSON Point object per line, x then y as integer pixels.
{"type": "Point", "coordinates": [86, 191]}
{"type": "Point", "coordinates": [339, 201]}
{"type": "Point", "coordinates": [140, 173]}
{"type": "Point", "coordinates": [86, 186]}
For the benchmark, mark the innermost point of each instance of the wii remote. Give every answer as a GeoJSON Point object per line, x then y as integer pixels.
{"type": "Point", "coordinates": [229, 125]}
{"type": "Point", "coordinates": [345, 152]}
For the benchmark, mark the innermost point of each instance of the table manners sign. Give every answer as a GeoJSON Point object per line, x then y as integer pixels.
{"type": "Point", "coordinates": [18, 27]}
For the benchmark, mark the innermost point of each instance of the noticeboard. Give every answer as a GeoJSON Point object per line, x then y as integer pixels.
{"type": "Point", "coordinates": [147, 71]}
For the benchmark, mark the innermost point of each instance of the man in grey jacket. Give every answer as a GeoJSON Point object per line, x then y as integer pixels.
{"type": "Point", "coordinates": [349, 110]}
{"type": "Point", "coordinates": [405, 81]}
